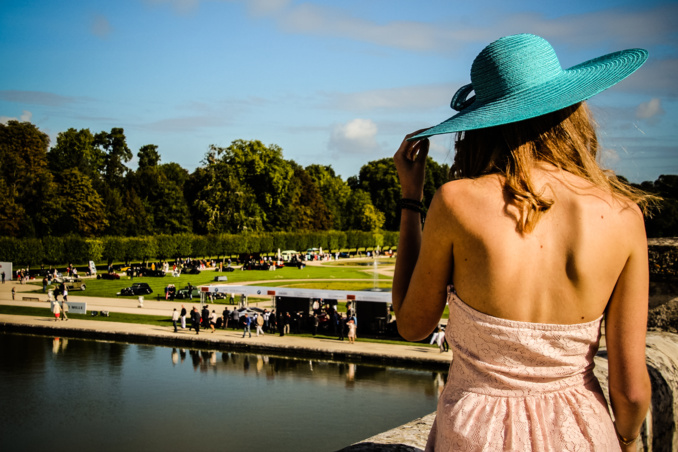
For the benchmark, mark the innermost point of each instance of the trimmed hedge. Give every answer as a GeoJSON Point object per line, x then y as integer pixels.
{"type": "Point", "coordinates": [61, 250]}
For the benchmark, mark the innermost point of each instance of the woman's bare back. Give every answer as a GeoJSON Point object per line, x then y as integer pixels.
{"type": "Point", "coordinates": [564, 271]}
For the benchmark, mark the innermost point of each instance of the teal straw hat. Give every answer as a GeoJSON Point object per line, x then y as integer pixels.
{"type": "Point", "coordinates": [519, 77]}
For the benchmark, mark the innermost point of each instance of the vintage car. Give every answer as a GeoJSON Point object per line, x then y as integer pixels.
{"type": "Point", "coordinates": [150, 272]}
{"type": "Point", "coordinates": [186, 293]}
{"type": "Point", "coordinates": [108, 276]}
{"type": "Point", "coordinates": [137, 289]}
{"type": "Point", "coordinates": [74, 284]}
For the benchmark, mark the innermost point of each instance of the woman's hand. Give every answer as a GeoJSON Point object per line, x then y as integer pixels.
{"type": "Point", "coordinates": [410, 161]}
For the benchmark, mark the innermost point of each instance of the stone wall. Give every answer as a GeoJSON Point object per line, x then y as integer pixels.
{"type": "Point", "coordinates": [663, 257]}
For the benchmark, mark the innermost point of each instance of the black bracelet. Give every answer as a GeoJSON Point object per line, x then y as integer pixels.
{"type": "Point", "coordinates": [411, 204]}
{"type": "Point", "coordinates": [414, 205]}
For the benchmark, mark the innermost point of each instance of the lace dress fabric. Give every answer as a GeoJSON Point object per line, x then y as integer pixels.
{"type": "Point", "coordinates": [520, 386]}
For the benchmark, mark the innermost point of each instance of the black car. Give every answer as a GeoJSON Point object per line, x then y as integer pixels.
{"type": "Point", "coordinates": [150, 272]}
{"type": "Point", "coordinates": [137, 289]}
{"type": "Point", "coordinates": [191, 270]}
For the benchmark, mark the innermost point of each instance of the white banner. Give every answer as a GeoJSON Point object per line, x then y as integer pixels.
{"type": "Point", "coordinates": [77, 307]}
{"type": "Point", "coordinates": [92, 268]}
{"type": "Point", "coordinates": [6, 268]}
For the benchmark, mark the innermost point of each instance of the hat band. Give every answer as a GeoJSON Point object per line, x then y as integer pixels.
{"type": "Point", "coordinates": [459, 100]}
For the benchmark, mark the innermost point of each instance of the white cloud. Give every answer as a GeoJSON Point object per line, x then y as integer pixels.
{"type": "Point", "coordinates": [356, 136]}
{"type": "Point", "coordinates": [25, 117]}
{"type": "Point", "coordinates": [650, 109]}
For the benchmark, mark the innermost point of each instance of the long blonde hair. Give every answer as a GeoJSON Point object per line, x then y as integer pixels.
{"type": "Point", "coordinates": [566, 139]}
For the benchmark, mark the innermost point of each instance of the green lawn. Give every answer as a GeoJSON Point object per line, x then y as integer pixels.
{"type": "Point", "coordinates": [109, 288]}
{"type": "Point", "coordinates": [114, 317]}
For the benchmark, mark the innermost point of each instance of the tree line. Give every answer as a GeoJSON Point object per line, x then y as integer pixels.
{"type": "Point", "coordinates": [81, 186]}
{"type": "Point", "coordinates": [51, 250]}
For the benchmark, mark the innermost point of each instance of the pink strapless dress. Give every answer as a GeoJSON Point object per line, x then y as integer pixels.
{"type": "Point", "coordinates": [520, 386]}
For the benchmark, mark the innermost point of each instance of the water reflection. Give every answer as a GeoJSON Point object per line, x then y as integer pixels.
{"type": "Point", "coordinates": [128, 397]}
{"type": "Point", "coordinates": [270, 367]}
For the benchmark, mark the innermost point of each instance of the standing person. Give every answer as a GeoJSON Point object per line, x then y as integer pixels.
{"type": "Point", "coordinates": [281, 323]}
{"type": "Point", "coordinates": [3, 277]}
{"type": "Point", "coordinates": [183, 317]}
{"type": "Point", "coordinates": [226, 314]}
{"type": "Point", "coordinates": [260, 324]}
{"type": "Point", "coordinates": [267, 320]}
{"type": "Point", "coordinates": [315, 322]}
{"type": "Point", "coordinates": [540, 243]}
{"type": "Point", "coordinates": [352, 327]}
{"type": "Point", "coordinates": [246, 325]}
{"type": "Point", "coordinates": [235, 318]}
{"type": "Point", "coordinates": [56, 310]}
{"type": "Point", "coordinates": [64, 309]}
{"type": "Point", "coordinates": [342, 326]}
{"type": "Point", "coordinates": [65, 294]}
{"type": "Point", "coordinates": [175, 318]}
{"type": "Point", "coordinates": [205, 317]}
{"type": "Point", "coordinates": [287, 319]}
{"type": "Point", "coordinates": [195, 320]}
{"type": "Point", "coordinates": [13, 292]}
{"type": "Point", "coordinates": [213, 320]}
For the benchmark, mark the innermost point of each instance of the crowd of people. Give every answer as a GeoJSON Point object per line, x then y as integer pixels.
{"type": "Point", "coordinates": [324, 319]}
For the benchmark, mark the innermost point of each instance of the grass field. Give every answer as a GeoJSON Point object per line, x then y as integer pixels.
{"type": "Point", "coordinates": [109, 288]}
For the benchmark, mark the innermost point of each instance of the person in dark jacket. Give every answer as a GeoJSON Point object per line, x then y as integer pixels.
{"type": "Point", "coordinates": [195, 320]}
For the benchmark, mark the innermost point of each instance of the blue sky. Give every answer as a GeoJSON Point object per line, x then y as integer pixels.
{"type": "Point", "coordinates": [331, 82]}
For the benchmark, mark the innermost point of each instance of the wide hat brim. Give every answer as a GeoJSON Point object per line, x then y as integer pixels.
{"type": "Point", "coordinates": [569, 87]}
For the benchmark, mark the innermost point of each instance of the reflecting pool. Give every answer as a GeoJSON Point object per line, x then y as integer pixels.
{"type": "Point", "coordinates": [75, 394]}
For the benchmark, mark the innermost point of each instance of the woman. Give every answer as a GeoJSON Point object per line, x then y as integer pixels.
{"type": "Point", "coordinates": [539, 243]}
{"type": "Point", "coordinates": [352, 328]}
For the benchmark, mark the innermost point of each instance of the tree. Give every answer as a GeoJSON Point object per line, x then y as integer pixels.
{"type": "Point", "coordinates": [261, 171]}
{"type": "Point", "coordinates": [379, 178]}
{"type": "Point", "coordinates": [148, 156]}
{"type": "Point", "coordinates": [83, 209]}
{"type": "Point", "coordinates": [117, 153]}
{"type": "Point", "coordinates": [77, 149]}
{"type": "Point", "coordinates": [220, 203]}
{"type": "Point", "coordinates": [361, 214]}
{"type": "Point", "coordinates": [306, 207]}
{"type": "Point", "coordinates": [26, 184]}
{"type": "Point", "coordinates": [334, 191]}
{"type": "Point", "coordinates": [161, 187]}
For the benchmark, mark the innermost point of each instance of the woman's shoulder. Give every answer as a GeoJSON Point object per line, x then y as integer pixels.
{"type": "Point", "coordinates": [466, 193]}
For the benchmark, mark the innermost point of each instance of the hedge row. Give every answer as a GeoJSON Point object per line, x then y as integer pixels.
{"type": "Point", "coordinates": [61, 250]}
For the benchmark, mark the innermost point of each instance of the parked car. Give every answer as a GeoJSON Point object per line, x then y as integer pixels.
{"type": "Point", "coordinates": [108, 276]}
{"type": "Point", "coordinates": [74, 284]}
{"type": "Point", "coordinates": [150, 272]}
{"type": "Point", "coordinates": [137, 289]}
{"type": "Point", "coordinates": [185, 293]}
